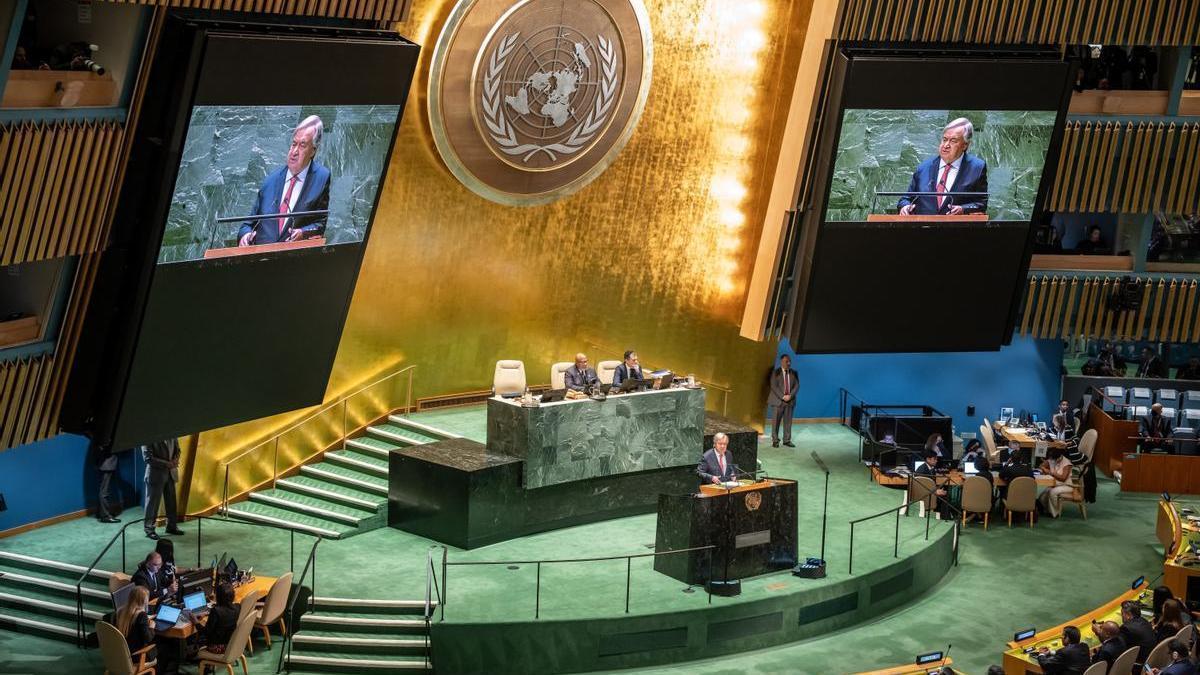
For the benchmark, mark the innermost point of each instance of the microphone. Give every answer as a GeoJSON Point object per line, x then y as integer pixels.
{"type": "Point", "coordinates": [946, 655]}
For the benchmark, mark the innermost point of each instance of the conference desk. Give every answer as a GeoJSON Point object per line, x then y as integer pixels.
{"type": "Point", "coordinates": [1021, 436]}
{"type": "Point", "coordinates": [1018, 662]}
{"type": "Point", "coordinates": [1177, 533]}
{"type": "Point", "coordinates": [186, 627]}
{"type": "Point", "coordinates": [572, 440]}
{"type": "Point", "coordinates": [911, 669]}
{"type": "Point", "coordinates": [954, 477]}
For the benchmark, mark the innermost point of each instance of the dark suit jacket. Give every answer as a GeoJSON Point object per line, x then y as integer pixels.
{"type": "Point", "coordinates": [972, 177]}
{"type": "Point", "coordinates": [1156, 428]}
{"type": "Point", "coordinates": [140, 632]}
{"type": "Point", "coordinates": [1139, 633]}
{"type": "Point", "coordinates": [623, 374]}
{"type": "Point", "coordinates": [221, 623]}
{"type": "Point", "coordinates": [1109, 651]}
{"type": "Point", "coordinates": [775, 396]}
{"type": "Point", "coordinates": [314, 196]}
{"type": "Point", "coordinates": [106, 459]}
{"type": "Point", "coordinates": [1179, 668]}
{"type": "Point", "coordinates": [1152, 368]}
{"type": "Point", "coordinates": [573, 379]}
{"type": "Point", "coordinates": [1070, 660]}
{"type": "Point", "coordinates": [708, 467]}
{"type": "Point", "coordinates": [160, 457]}
{"type": "Point", "coordinates": [158, 584]}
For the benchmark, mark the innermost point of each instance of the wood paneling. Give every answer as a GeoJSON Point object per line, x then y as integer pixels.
{"type": "Point", "coordinates": [1177, 474]}
{"type": "Point", "coordinates": [1147, 22]}
{"type": "Point", "coordinates": [1113, 439]}
{"type": "Point", "coordinates": [370, 10]}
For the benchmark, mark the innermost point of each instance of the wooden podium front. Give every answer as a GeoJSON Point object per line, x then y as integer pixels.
{"type": "Point", "coordinates": [233, 251]}
{"type": "Point", "coordinates": [752, 526]}
{"type": "Point", "coordinates": [897, 218]}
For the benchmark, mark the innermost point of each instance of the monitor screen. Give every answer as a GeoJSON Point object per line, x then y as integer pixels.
{"type": "Point", "coordinates": [121, 596]}
{"type": "Point", "coordinates": [969, 468]}
{"type": "Point", "coordinates": [194, 601]}
{"type": "Point", "coordinates": [168, 614]}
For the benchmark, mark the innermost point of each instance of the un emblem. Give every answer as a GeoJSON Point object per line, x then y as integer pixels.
{"type": "Point", "coordinates": [530, 101]}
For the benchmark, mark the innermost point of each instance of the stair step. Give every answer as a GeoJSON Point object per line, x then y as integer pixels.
{"type": "Point", "coordinates": [334, 641]}
{"type": "Point", "coordinates": [50, 584]}
{"type": "Point", "coordinates": [393, 434]}
{"type": "Point", "coordinates": [24, 624]}
{"type": "Point", "coordinates": [39, 605]}
{"type": "Point", "coordinates": [325, 472]}
{"type": "Point", "coordinates": [328, 601]}
{"type": "Point", "coordinates": [22, 559]}
{"type": "Point", "coordinates": [371, 446]}
{"type": "Point", "coordinates": [335, 622]}
{"type": "Point", "coordinates": [242, 513]}
{"type": "Point", "coordinates": [309, 509]}
{"type": "Point", "coordinates": [322, 490]}
{"type": "Point", "coordinates": [348, 664]}
{"type": "Point", "coordinates": [434, 432]}
{"type": "Point", "coordinates": [358, 462]}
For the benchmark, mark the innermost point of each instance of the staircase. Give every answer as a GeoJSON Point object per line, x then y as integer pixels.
{"type": "Point", "coordinates": [37, 596]}
{"type": "Point", "coordinates": [344, 495]}
{"type": "Point", "coordinates": [348, 635]}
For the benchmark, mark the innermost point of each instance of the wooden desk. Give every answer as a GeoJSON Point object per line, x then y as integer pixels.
{"type": "Point", "coordinates": [915, 218]}
{"type": "Point", "coordinates": [184, 629]}
{"type": "Point", "coordinates": [1017, 662]}
{"type": "Point", "coordinates": [1021, 435]}
{"type": "Point", "coordinates": [1176, 534]}
{"type": "Point", "coordinates": [911, 669]}
{"type": "Point", "coordinates": [1114, 438]}
{"type": "Point", "coordinates": [953, 478]}
{"type": "Point", "coordinates": [1176, 474]}
{"type": "Point", "coordinates": [232, 251]}
{"type": "Point", "coordinates": [744, 486]}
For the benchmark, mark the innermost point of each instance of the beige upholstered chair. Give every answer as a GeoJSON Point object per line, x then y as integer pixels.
{"type": "Point", "coordinates": [558, 374]}
{"type": "Point", "coordinates": [605, 370]}
{"type": "Point", "coordinates": [1087, 444]}
{"type": "Point", "coordinates": [1185, 634]}
{"type": "Point", "coordinates": [247, 608]}
{"type": "Point", "coordinates": [510, 377]}
{"type": "Point", "coordinates": [272, 611]}
{"type": "Point", "coordinates": [117, 581]}
{"type": "Point", "coordinates": [977, 498]}
{"type": "Point", "coordinates": [1124, 663]}
{"type": "Point", "coordinates": [1022, 498]}
{"type": "Point", "coordinates": [1077, 495]}
{"type": "Point", "coordinates": [235, 650]}
{"type": "Point", "coordinates": [115, 651]}
{"type": "Point", "coordinates": [1098, 668]}
{"type": "Point", "coordinates": [989, 443]}
{"type": "Point", "coordinates": [1160, 656]}
{"type": "Point", "coordinates": [923, 488]}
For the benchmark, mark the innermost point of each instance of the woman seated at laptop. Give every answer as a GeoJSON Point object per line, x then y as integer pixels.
{"type": "Point", "coordinates": [222, 619]}
{"type": "Point", "coordinates": [133, 622]}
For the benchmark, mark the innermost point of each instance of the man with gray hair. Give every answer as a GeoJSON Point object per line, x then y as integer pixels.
{"type": "Point", "coordinates": [961, 176]}
{"type": "Point", "coordinates": [716, 465]}
{"type": "Point", "coordinates": [301, 185]}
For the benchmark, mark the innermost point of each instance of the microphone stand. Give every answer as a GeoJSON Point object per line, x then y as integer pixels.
{"type": "Point", "coordinates": [814, 568]}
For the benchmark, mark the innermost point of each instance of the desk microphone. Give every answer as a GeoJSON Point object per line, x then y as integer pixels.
{"type": "Point", "coordinates": [945, 655]}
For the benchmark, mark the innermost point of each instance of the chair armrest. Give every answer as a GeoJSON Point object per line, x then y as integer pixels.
{"type": "Point", "coordinates": [141, 654]}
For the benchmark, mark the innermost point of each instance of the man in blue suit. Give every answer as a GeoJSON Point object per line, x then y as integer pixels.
{"type": "Point", "coordinates": [301, 185]}
{"type": "Point", "coordinates": [629, 369]}
{"type": "Point", "coordinates": [953, 170]}
{"type": "Point", "coordinates": [716, 465]}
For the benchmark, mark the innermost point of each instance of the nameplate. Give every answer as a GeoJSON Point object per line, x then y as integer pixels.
{"type": "Point", "coordinates": [752, 539]}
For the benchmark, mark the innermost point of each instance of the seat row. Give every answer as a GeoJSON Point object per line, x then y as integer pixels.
{"type": "Point", "coordinates": [510, 375]}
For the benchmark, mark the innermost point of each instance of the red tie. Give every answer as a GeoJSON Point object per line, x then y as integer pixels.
{"type": "Point", "coordinates": [787, 383]}
{"type": "Point", "coordinates": [287, 201]}
{"type": "Point", "coordinates": [941, 186]}
{"type": "Point", "coordinates": [721, 463]}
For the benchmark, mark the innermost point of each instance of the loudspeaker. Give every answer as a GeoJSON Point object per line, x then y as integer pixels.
{"type": "Point", "coordinates": [3, 506]}
{"type": "Point", "coordinates": [970, 411]}
{"type": "Point", "coordinates": [727, 588]}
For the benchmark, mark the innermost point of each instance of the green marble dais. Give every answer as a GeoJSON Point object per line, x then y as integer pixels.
{"type": "Point", "coordinates": [576, 440]}
{"type": "Point", "coordinates": [878, 150]}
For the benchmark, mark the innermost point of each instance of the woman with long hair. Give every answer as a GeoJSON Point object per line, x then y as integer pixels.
{"type": "Point", "coordinates": [1172, 620]}
{"type": "Point", "coordinates": [133, 621]}
{"type": "Point", "coordinates": [222, 619]}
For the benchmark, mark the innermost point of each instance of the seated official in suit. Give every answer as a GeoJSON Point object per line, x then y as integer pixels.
{"type": "Point", "coordinates": [1072, 657]}
{"type": "Point", "coordinates": [716, 465]}
{"type": "Point", "coordinates": [1152, 365]}
{"type": "Point", "coordinates": [579, 377]}
{"type": "Point", "coordinates": [1111, 644]}
{"type": "Point", "coordinates": [151, 576]}
{"type": "Point", "coordinates": [301, 185]}
{"type": "Point", "coordinates": [1094, 243]}
{"type": "Point", "coordinates": [1156, 429]}
{"type": "Point", "coordinates": [928, 467]}
{"type": "Point", "coordinates": [1136, 631]}
{"type": "Point", "coordinates": [1180, 664]}
{"type": "Point", "coordinates": [953, 170]}
{"type": "Point", "coordinates": [1191, 371]}
{"type": "Point", "coordinates": [629, 369]}
{"type": "Point", "coordinates": [222, 619]}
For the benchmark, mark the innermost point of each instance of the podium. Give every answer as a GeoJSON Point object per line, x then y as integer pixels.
{"type": "Point", "coordinates": [914, 218]}
{"type": "Point", "coordinates": [752, 526]}
{"type": "Point", "coordinates": [234, 251]}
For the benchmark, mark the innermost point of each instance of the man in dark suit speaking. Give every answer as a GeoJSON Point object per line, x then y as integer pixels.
{"type": "Point", "coordinates": [716, 465]}
{"type": "Point", "coordinates": [953, 170]}
{"type": "Point", "coordinates": [301, 185]}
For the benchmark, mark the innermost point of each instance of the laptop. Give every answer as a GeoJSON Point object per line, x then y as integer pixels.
{"type": "Point", "coordinates": [196, 603]}
{"type": "Point", "coordinates": [553, 395]}
{"type": "Point", "coordinates": [121, 596]}
{"type": "Point", "coordinates": [968, 469]}
{"type": "Point", "coordinates": [631, 384]}
{"type": "Point", "coordinates": [166, 618]}
{"type": "Point", "coordinates": [666, 381]}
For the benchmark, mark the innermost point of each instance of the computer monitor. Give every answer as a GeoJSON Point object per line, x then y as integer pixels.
{"type": "Point", "coordinates": [1005, 414]}
{"type": "Point", "coordinates": [167, 616]}
{"type": "Point", "coordinates": [121, 596]}
{"type": "Point", "coordinates": [232, 568]}
{"type": "Point", "coordinates": [1033, 417]}
{"type": "Point", "coordinates": [968, 468]}
{"type": "Point", "coordinates": [194, 601]}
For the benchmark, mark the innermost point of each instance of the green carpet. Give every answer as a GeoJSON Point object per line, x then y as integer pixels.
{"type": "Point", "coordinates": [1004, 581]}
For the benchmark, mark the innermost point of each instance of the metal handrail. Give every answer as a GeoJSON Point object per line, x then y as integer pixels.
{"type": "Point", "coordinates": [286, 649]}
{"type": "Point", "coordinates": [432, 590]}
{"type": "Point", "coordinates": [897, 510]}
{"type": "Point", "coordinates": [342, 400]}
{"type": "Point", "coordinates": [538, 591]}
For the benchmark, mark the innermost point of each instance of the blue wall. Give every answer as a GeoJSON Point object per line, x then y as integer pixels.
{"type": "Point", "coordinates": [56, 476]}
{"type": "Point", "coordinates": [1025, 374]}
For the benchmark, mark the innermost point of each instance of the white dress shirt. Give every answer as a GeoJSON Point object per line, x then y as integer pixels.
{"type": "Point", "coordinates": [296, 189]}
{"type": "Point", "coordinates": [954, 166]}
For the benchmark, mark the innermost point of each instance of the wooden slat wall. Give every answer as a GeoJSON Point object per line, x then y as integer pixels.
{"type": "Point", "coordinates": [1131, 168]}
{"type": "Point", "coordinates": [1063, 307]}
{"type": "Point", "coordinates": [1125, 22]}
{"type": "Point", "coordinates": [369, 10]}
{"type": "Point", "coordinates": [56, 181]}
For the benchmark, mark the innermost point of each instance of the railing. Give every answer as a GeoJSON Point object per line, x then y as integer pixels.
{"type": "Point", "coordinates": [897, 510]}
{"type": "Point", "coordinates": [274, 441]}
{"type": "Point", "coordinates": [724, 389]}
{"type": "Point", "coordinates": [285, 650]}
{"type": "Point", "coordinates": [537, 606]}
{"type": "Point", "coordinates": [432, 591]}
{"type": "Point", "coordinates": [80, 622]}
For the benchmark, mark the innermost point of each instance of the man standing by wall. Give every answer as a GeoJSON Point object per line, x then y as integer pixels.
{"type": "Point", "coordinates": [107, 464]}
{"type": "Point", "coordinates": [162, 472]}
{"type": "Point", "coordinates": [783, 397]}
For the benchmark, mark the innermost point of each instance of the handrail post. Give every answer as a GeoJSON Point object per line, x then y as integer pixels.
{"type": "Point", "coordinates": [345, 429]}
{"type": "Point", "coordinates": [225, 493]}
{"type": "Point", "coordinates": [445, 584]}
{"type": "Point", "coordinates": [537, 595]}
{"type": "Point", "coordinates": [408, 397]}
{"type": "Point", "coordinates": [897, 552]}
{"type": "Point", "coordinates": [292, 555]}
{"type": "Point", "coordinates": [628, 576]}
{"type": "Point", "coordinates": [199, 538]}
{"type": "Point", "coordinates": [275, 464]}
{"type": "Point", "coordinates": [124, 566]}
{"type": "Point", "coordinates": [851, 569]}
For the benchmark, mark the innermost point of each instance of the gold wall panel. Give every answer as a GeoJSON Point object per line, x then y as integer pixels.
{"type": "Point", "coordinates": [370, 10]}
{"type": "Point", "coordinates": [1144, 22]}
{"type": "Point", "coordinates": [1131, 168]}
{"type": "Point", "coordinates": [654, 255]}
